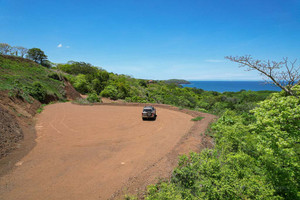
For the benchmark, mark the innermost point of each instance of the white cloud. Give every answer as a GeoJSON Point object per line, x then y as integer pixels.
{"type": "Point", "coordinates": [214, 61]}
{"type": "Point", "coordinates": [59, 46]}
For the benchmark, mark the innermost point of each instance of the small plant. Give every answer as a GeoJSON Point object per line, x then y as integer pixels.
{"type": "Point", "coordinates": [197, 118]}
{"type": "Point", "coordinates": [209, 131]}
{"type": "Point", "coordinates": [41, 108]}
{"type": "Point", "coordinates": [81, 101]}
{"type": "Point", "coordinates": [130, 197]}
{"type": "Point", "coordinates": [54, 76]}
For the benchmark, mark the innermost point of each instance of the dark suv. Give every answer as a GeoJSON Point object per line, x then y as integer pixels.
{"type": "Point", "coordinates": [149, 112]}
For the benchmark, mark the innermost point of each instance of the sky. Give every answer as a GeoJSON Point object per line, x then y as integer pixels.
{"type": "Point", "coordinates": [156, 39]}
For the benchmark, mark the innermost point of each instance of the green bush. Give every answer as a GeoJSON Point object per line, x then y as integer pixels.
{"type": "Point", "coordinates": [54, 76]}
{"type": "Point", "coordinates": [110, 92]}
{"type": "Point", "coordinates": [81, 84]}
{"type": "Point", "coordinates": [37, 91]}
{"type": "Point", "coordinates": [92, 98]}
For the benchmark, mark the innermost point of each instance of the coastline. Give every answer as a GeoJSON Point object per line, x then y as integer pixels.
{"type": "Point", "coordinates": [231, 86]}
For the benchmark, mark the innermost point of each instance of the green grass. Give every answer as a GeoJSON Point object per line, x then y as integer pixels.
{"type": "Point", "coordinates": [18, 74]}
{"type": "Point", "coordinates": [197, 118]}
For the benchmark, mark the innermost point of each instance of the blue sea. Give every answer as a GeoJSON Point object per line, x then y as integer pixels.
{"type": "Point", "coordinates": [231, 86]}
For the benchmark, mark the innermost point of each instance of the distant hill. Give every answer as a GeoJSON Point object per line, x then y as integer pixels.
{"type": "Point", "coordinates": [177, 81]}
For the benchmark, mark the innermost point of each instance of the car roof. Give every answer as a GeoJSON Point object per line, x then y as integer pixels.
{"type": "Point", "coordinates": [148, 107]}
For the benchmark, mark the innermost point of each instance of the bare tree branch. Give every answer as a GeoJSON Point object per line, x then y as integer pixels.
{"type": "Point", "coordinates": [283, 74]}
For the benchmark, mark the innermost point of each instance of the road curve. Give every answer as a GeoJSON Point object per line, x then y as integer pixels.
{"type": "Point", "coordinates": [90, 152]}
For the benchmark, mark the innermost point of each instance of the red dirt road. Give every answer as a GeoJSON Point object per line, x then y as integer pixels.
{"type": "Point", "coordinates": [92, 152]}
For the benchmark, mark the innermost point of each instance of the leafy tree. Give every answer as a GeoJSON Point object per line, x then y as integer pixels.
{"type": "Point", "coordinates": [5, 48]}
{"type": "Point", "coordinates": [81, 84]}
{"type": "Point", "coordinates": [110, 91]}
{"type": "Point", "coordinates": [37, 55]}
{"type": "Point", "coordinates": [22, 51]}
{"type": "Point", "coordinates": [76, 68]}
{"type": "Point", "coordinates": [14, 51]}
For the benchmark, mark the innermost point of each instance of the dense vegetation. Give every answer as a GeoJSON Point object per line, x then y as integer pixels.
{"type": "Point", "coordinates": [89, 79]}
{"type": "Point", "coordinates": [252, 159]}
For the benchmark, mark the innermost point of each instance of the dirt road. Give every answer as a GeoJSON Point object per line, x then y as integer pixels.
{"type": "Point", "coordinates": [91, 152]}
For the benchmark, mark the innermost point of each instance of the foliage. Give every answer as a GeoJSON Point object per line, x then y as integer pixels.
{"type": "Point", "coordinates": [76, 68]}
{"type": "Point", "coordinates": [84, 77]}
{"type": "Point", "coordinates": [92, 98]}
{"type": "Point", "coordinates": [54, 76]}
{"type": "Point", "coordinates": [37, 91]}
{"type": "Point", "coordinates": [5, 48]}
{"type": "Point", "coordinates": [37, 55]}
{"type": "Point", "coordinates": [111, 92]}
{"type": "Point", "coordinates": [89, 79]}
{"type": "Point", "coordinates": [197, 118]}
{"type": "Point", "coordinates": [81, 84]}
{"type": "Point", "coordinates": [41, 108]}
{"type": "Point", "coordinates": [22, 77]}
{"type": "Point", "coordinates": [252, 159]}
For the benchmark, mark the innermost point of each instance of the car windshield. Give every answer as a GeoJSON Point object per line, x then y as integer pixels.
{"type": "Point", "coordinates": [147, 109]}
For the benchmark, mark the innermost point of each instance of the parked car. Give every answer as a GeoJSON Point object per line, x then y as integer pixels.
{"type": "Point", "coordinates": [149, 112]}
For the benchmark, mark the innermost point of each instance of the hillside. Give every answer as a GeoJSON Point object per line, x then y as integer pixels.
{"type": "Point", "coordinates": [24, 86]}
{"type": "Point", "coordinates": [24, 77]}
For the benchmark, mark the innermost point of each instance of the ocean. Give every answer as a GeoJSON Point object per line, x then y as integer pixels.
{"type": "Point", "coordinates": [231, 86]}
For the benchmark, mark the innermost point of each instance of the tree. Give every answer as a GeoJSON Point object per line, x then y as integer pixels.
{"type": "Point", "coordinates": [5, 48]}
{"type": "Point", "coordinates": [22, 51]}
{"type": "Point", "coordinates": [14, 51]}
{"type": "Point", "coordinates": [283, 74]}
{"type": "Point", "coordinates": [37, 55]}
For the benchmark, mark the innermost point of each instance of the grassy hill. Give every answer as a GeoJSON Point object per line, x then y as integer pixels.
{"type": "Point", "coordinates": [24, 77]}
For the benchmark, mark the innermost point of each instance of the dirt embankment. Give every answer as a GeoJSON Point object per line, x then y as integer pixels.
{"type": "Point", "coordinates": [10, 131]}
{"type": "Point", "coordinates": [16, 128]}
{"type": "Point", "coordinates": [17, 131]}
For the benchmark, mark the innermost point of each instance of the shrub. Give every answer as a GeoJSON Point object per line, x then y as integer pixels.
{"type": "Point", "coordinates": [54, 76]}
{"type": "Point", "coordinates": [81, 84]}
{"type": "Point", "coordinates": [37, 91]}
{"type": "Point", "coordinates": [92, 98]}
{"type": "Point", "coordinates": [110, 92]}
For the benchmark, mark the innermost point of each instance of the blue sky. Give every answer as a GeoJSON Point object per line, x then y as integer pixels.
{"type": "Point", "coordinates": [156, 39]}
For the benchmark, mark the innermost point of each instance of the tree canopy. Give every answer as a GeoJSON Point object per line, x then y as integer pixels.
{"type": "Point", "coordinates": [37, 55]}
